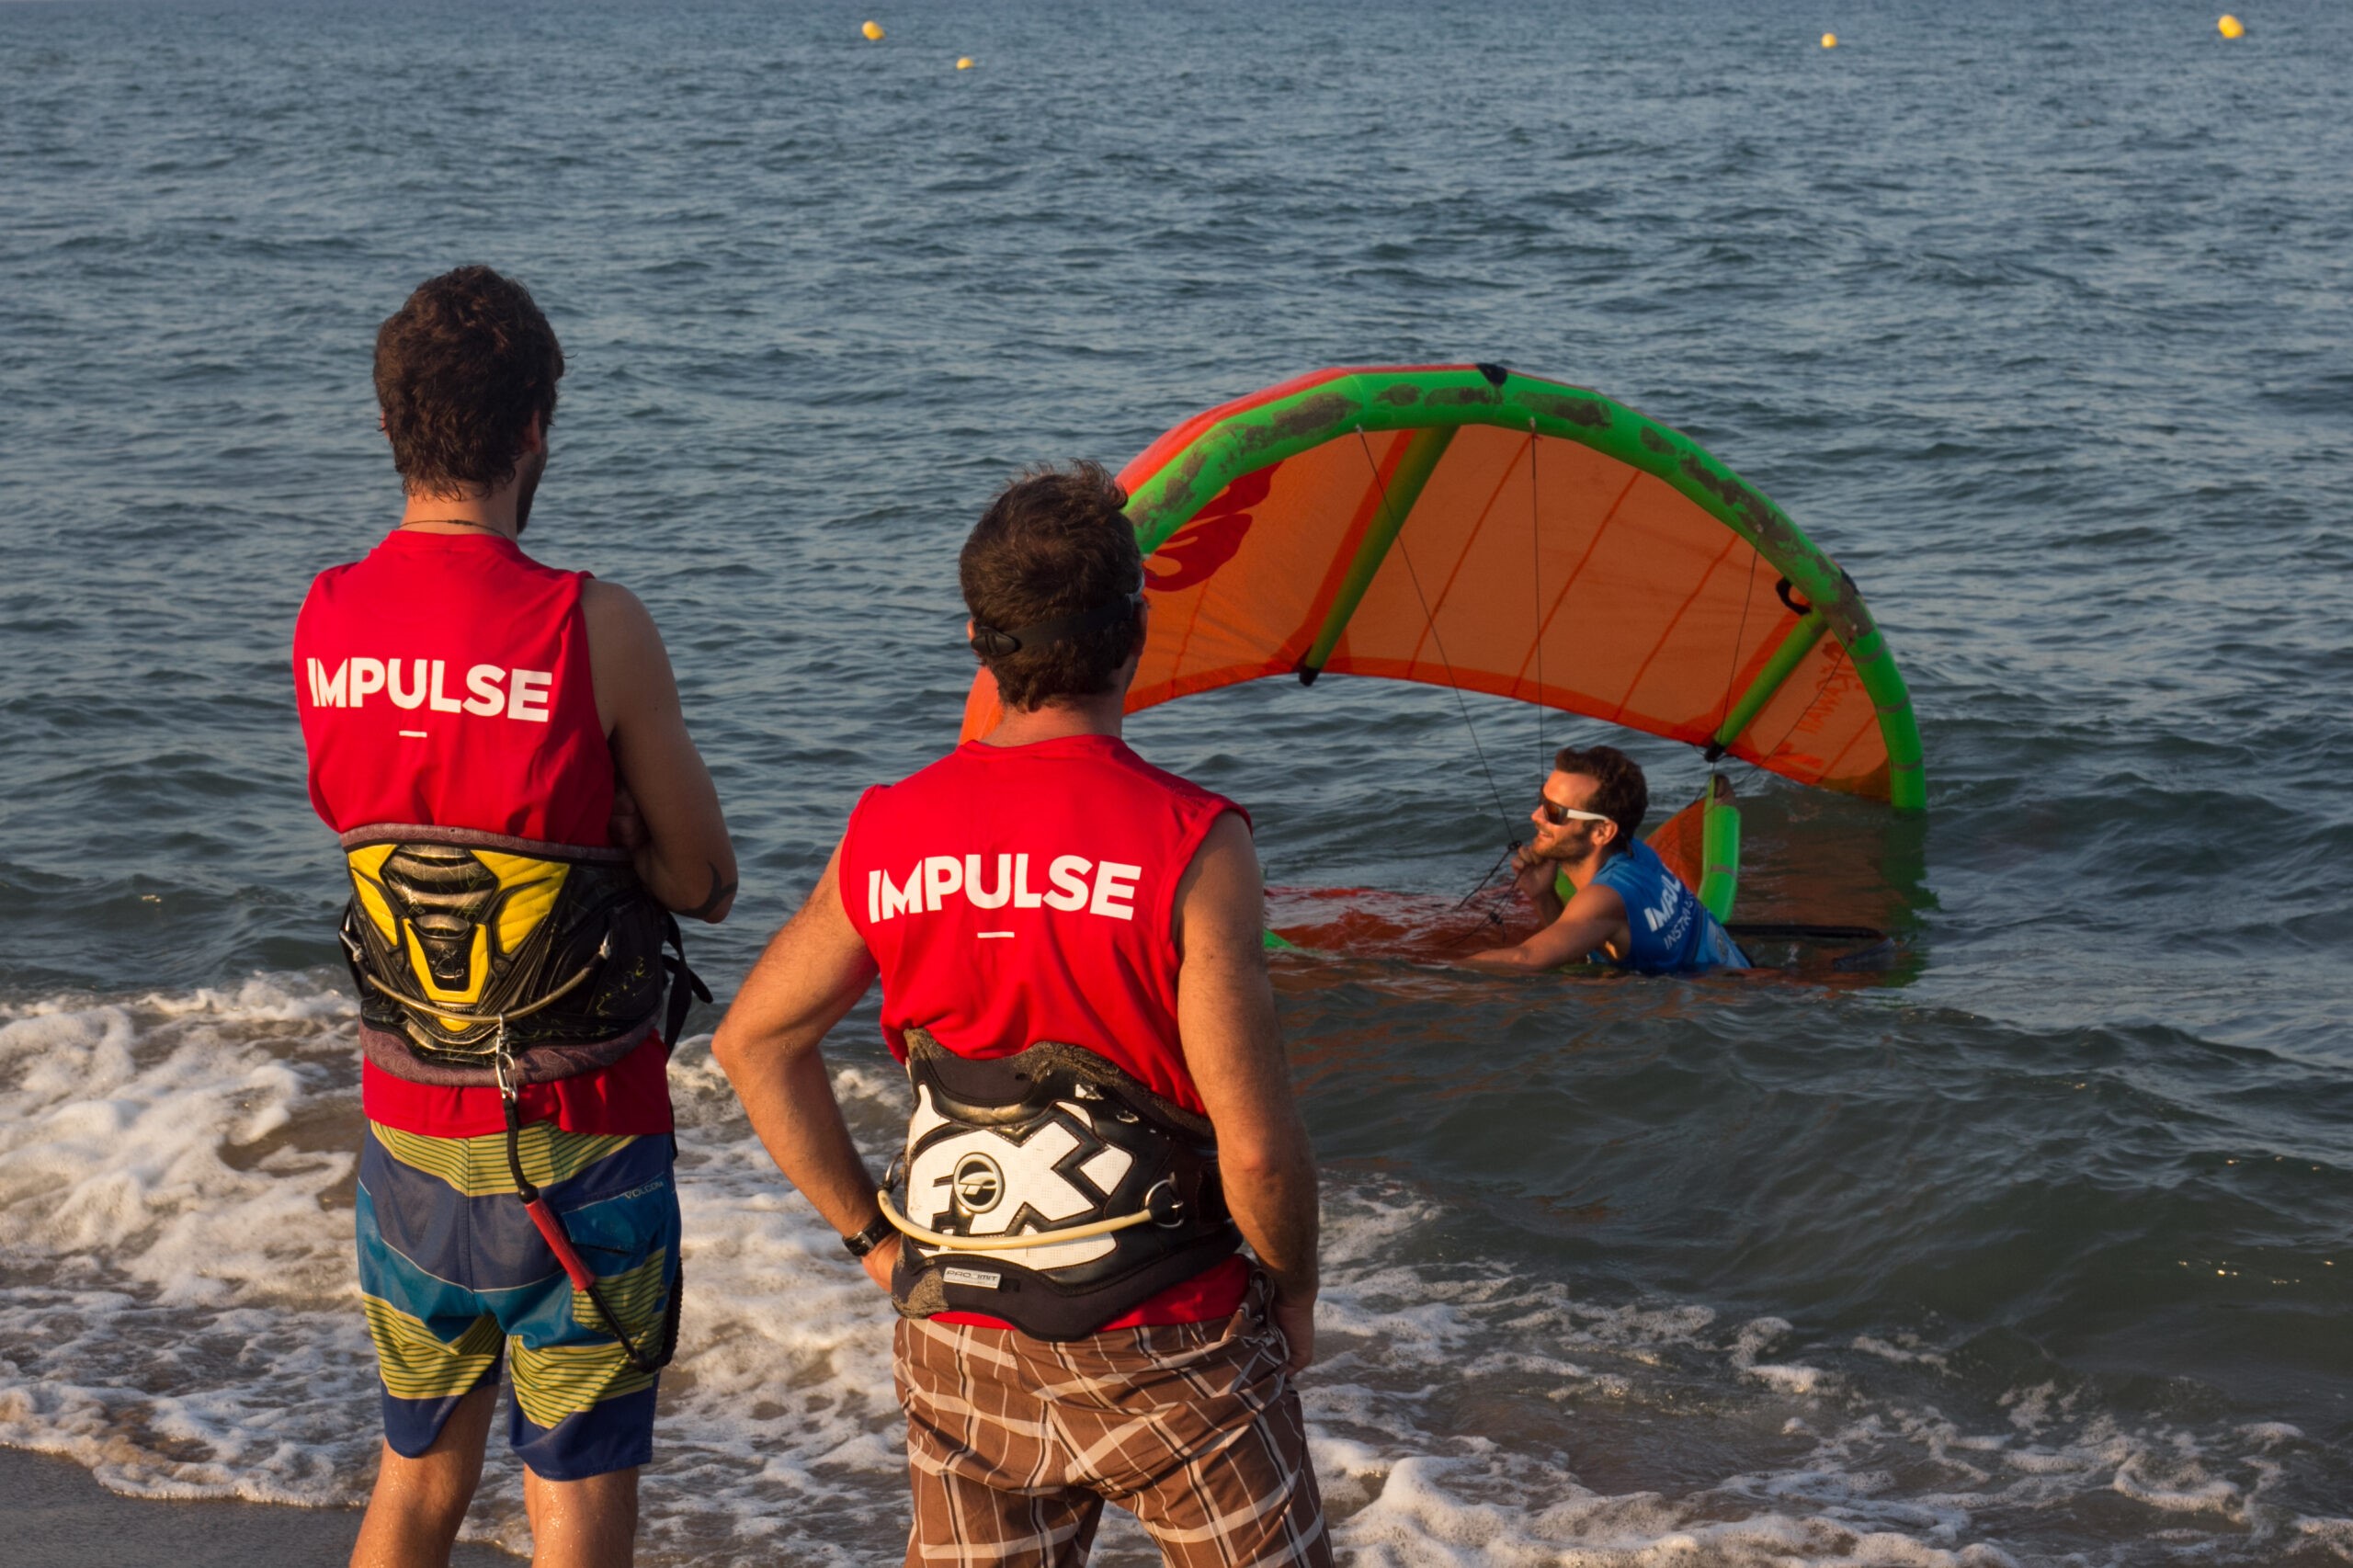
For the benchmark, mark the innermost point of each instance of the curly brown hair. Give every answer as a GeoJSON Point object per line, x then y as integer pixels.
{"type": "Point", "coordinates": [1054, 543]}
{"type": "Point", "coordinates": [1624, 796]}
{"type": "Point", "coordinates": [460, 369]}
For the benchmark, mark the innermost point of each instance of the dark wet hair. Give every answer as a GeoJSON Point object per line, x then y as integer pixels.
{"type": "Point", "coordinates": [1054, 544]}
{"type": "Point", "coordinates": [1624, 796]}
{"type": "Point", "coordinates": [461, 369]}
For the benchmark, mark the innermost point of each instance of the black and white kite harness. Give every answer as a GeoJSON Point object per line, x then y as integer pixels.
{"type": "Point", "coordinates": [1048, 1188]}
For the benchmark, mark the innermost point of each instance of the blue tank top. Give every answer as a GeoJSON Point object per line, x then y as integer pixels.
{"type": "Point", "coordinates": [1672, 930]}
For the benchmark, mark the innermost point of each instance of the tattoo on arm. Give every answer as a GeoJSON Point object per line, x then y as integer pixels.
{"type": "Point", "coordinates": [720, 892]}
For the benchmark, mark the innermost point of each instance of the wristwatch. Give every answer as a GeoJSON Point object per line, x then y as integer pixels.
{"type": "Point", "coordinates": [866, 1240]}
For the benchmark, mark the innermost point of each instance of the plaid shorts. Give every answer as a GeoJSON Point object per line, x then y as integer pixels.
{"type": "Point", "coordinates": [455, 1278]}
{"type": "Point", "coordinates": [1015, 1444]}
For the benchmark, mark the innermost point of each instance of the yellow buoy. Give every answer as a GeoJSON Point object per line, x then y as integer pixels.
{"type": "Point", "coordinates": [1829, 40]}
{"type": "Point", "coordinates": [963, 63]}
{"type": "Point", "coordinates": [2231, 27]}
{"type": "Point", "coordinates": [872, 31]}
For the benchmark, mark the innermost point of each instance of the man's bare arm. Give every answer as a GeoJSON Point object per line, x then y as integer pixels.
{"type": "Point", "coordinates": [1225, 1015]}
{"type": "Point", "coordinates": [812, 972]}
{"type": "Point", "coordinates": [1588, 923]}
{"type": "Point", "coordinates": [683, 856]}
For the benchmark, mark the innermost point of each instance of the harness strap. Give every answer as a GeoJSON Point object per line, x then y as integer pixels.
{"type": "Point", "coordinates": [687, 987]}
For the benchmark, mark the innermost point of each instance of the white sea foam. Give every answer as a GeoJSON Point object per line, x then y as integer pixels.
{"type": "Point", "coordinates": [1751, 1342]}
{"type": "Point", "coordinates": [2337, 1535]}
{"type": "Point", "coordinates": [2182, 1488]}
{"type": "Point", "coordinates": [177, 1313]}
{"type": "Point", "coordinates": [1905, 1350]}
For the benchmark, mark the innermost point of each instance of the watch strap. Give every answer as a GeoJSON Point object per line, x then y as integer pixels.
{"type": "Point", "coordinates": [866, 1240]}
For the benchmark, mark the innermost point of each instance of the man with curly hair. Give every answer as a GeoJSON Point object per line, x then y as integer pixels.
{"type": "Point", "coordinates": [500, 749]}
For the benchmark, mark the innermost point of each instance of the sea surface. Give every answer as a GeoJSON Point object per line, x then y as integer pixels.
{"type": "Point", "coordinates": [2037, 1248]}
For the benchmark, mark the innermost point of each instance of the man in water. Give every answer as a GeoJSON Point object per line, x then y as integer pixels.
{"type": "Point", "coordinates": [1624, 905]}
{"type": "Point", "coordinates": [500, 747]}
{"type": "Point", "coordinates": [1069, 945]}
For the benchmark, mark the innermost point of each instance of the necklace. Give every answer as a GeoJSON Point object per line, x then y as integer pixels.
{"type": "Point", "coordinates": [448, 523]}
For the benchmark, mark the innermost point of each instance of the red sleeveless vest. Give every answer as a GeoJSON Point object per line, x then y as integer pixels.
{"type": "Point", "coordinates": [444, 682]}
{"type": "Point", "coordinates": [1012, 894]}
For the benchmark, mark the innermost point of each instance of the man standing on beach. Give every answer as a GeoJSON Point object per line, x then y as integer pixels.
{"type": "Point", "coordinates": [500, 748]}
{"type": "Point", "coordinates": [1069, 945]}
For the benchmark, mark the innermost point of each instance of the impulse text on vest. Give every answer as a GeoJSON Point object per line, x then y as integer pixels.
{"type": "Point", "coordinates": [936, 877]}
{"type": "Point", "coordinates": [355, 680]}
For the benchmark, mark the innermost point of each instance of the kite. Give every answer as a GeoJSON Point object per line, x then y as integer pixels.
{"type": "Point", "coordinates": [1478, 528]}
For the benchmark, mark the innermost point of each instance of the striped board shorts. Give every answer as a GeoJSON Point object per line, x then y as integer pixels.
{"type": "Point", "coordinates": [455, 1278]}
{"type": "Point", "coordinates": [1015, 1444]}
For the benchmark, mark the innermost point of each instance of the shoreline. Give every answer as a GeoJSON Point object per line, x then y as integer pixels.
{"type": "Point", "coordinates": [58, 1516]}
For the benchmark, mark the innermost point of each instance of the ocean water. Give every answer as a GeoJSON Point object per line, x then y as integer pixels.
{"type": "Point", "coordinates": [2035, 1249]}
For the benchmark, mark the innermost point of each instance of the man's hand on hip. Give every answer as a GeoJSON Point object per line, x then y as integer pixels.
{"type": "Point", "coordinates": [879, 1263]}
{"type": "Point", "coordinates": [1295, 1316]}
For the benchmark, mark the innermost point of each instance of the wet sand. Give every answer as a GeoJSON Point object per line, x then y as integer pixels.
{"type": "Point", "coordinates": [55, 1515]}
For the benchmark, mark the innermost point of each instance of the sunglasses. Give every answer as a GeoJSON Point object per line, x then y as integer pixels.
{"type": "Point", "coordinates": [1561, 816]}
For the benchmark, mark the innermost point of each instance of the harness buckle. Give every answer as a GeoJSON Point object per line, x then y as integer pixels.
{"type": "Point", "coordinates": [1164, 1204]}
{"type": "Point", "coordinates": [502, 1070]}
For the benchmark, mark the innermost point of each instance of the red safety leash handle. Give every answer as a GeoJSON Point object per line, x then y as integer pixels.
{"type": "Point", "coordinates": [552, 1232]}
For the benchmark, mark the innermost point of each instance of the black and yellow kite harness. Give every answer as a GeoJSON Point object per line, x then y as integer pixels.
{"type": "Point", "coordinates": [504, 960]}
{"type": "Point", "coordinates": [474, 947]}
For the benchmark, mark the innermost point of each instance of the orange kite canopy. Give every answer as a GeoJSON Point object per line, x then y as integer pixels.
{"type": "Point", "coordinates": [1472, 527]}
